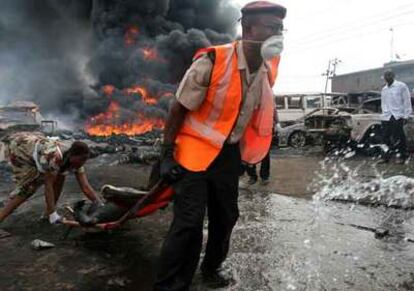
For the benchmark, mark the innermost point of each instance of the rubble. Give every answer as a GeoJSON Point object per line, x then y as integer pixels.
{"type": "Point", "coordinates": [118, 281]}
{"type": "Point", "coordinates": [149, 138]}
{"type": "Point", "coordinates": [4, 234]}
{"type": "Point", "coordinates": [38, 244]}
{"type": "Point", "coordinates": [143, 148]}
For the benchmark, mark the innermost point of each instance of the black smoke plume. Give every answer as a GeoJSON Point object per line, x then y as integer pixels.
{"type": "Point", "coordinates": [61, 54]}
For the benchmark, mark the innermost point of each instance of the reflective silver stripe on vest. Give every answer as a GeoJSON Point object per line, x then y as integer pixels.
{"type": "Point", "coordinates": [221, 93]}
{"type": "Point", "coordinates": [214, 136]}
{"type": "Point", "coordinates": [206, 128]}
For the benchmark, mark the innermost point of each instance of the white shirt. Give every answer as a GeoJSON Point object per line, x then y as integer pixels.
{"type": "Point", "coordinates": [396, 101]}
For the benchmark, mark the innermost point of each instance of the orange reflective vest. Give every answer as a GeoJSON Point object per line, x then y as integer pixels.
{"type": "Point", "coordinates": [204, 131]}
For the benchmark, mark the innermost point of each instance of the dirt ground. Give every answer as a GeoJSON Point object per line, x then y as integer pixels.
{"type": "Point", "coordinates": [124, 259]}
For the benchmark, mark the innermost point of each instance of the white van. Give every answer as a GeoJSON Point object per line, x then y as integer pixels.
{"type": "Point", "coordinates": [293, 106]}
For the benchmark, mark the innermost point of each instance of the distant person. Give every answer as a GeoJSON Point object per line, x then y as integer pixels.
{"type": "Point", "coordinates": [264, 173]}
{"type": "Point", "coordinates": [37, 160]}
{"type": "Point", "coordinates": [396, 109]}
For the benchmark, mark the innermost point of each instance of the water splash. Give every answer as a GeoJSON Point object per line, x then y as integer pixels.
{"type": "Point", "coordinates": [363, 184]}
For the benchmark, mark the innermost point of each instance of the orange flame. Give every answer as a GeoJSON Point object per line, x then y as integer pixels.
{"type": "Point", "coordinates": [143, 92]}
{"type": "Point", "coordinates": [108, 90]}
{"type": "Point", "coordinates": [150, 54]}
{"type": "Point", "coordinates": [104, 124]}
{"type": "Point", "coordinates": [131, 35]}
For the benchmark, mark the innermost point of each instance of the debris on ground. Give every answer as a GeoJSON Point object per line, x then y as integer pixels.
{"type": "Point", "coordinates": [38, 244]}
{"type": "Point", "coordinates": [4, 234]}
{"type": "Point", "coordinates": [118, 281]}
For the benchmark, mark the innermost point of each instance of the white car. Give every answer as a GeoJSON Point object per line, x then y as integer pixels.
{"type": "Point", "coordinates": [361, 127]}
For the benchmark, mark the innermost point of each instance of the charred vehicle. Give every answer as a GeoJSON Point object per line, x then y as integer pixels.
{"type": "Point", "coordinates": [292, 134]}
{"type": "Point", "coordinates": [19, 116]}
{"type": "Point", "coordinates": [324, 121]}
{"type": "Point", "coordinates": [360, 128]}
{"type": "Point", "coordinates": [296, 134]}
{"type": "Point", "coordinates": [22, 116]}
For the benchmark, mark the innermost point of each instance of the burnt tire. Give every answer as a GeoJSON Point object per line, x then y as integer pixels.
{"type": "Point", "coordinates": [297, 139]}
{"type": "Point", "coordinates": [373, 136]}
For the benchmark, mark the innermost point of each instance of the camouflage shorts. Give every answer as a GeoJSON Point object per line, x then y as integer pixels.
{"type": "Point", "coordinates": [28, 189]}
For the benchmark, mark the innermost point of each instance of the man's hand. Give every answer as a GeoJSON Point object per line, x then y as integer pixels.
{"type": "Point", "coordinates": [170, 170]}
{"type": "Point", "coordinates": [87, 188]}
{"type": "Point", "coordinates": [55, 218]}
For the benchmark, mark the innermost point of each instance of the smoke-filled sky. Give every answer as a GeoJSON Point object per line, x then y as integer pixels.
{"type": "Point", "coordinates": [43, 48]}
{"type": "Point", "coordinates": [60, 53]}
{"type": "Point", "coordinates": [355, 31]}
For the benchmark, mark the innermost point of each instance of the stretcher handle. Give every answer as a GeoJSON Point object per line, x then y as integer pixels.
{"type": "Point", "coordinates": [134, 209]}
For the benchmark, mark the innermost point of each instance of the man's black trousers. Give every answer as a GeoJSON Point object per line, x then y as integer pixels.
{"type": "Point", "coordinates": [264, 168]}
{"type": "Point", "coordinates": [394, 138]}
{"type": "Point", "coordinates": [216, 189]}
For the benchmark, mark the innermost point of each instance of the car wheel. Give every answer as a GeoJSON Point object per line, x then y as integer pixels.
{"type": "Point", "coordinates": [372, 137]}
{"type": "Point", "coordinates": [297, 139]}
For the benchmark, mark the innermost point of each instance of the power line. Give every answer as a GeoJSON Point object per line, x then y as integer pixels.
{"type": "Point", "coordinates": [324, 42]}
{"type": "Point", "coordinates": [370, 22]}
{"type": "Point", "coordinates": [366, 21]}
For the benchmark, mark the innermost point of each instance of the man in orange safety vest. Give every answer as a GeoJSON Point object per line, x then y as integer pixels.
{"type": "Point", "coordinates": [222, 115]}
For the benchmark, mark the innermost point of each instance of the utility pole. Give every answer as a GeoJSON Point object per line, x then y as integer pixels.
{"type": "Point", "coordinates": [330, 72]}
{"type": "Point", "coordinates": [327, 74]}
{"type": "Point", "coordinates": [392, 45]}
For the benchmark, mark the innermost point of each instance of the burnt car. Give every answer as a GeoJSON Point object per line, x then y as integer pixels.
{"type": "Point", "coordinates": [19, 116]}
{"type": "Point", "coordinates": [292, 134]}
{"type": "Point", "coordinates": [366, 126]}
{"type": "Point", "coordinates": [325, 120]}
{"type": "Point", "coordinates": [296, 134]}
{"type": "Point", "coordinates": [360, 127]}
{"type": "Point", "coordinates": [22, 116]}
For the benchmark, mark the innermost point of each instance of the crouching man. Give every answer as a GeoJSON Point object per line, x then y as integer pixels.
{"type": "Point", "coordinates": [37, 160]}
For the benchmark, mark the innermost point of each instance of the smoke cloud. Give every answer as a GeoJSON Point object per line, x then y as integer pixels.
{"type": "Point", "coordinates": [44, 47]}
{"type": "Point", "coordinates": [62, 54]}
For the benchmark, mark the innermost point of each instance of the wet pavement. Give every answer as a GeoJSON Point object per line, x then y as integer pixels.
{"type": "Point", "coordinates": [281, 242]}
{"type": "Point", "coordinates": [286, 243]}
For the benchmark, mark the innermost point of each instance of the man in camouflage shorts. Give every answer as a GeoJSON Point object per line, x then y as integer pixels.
{"type": "Point", "coordinates": [37, 160]}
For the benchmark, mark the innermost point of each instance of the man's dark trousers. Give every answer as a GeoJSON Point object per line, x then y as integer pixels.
{"type": "Point", "coordinates": [394, 138]}
{"type": "Point", "coordinates": [264, 169]}
{"type": "Point", "coordinates": [216, 188]}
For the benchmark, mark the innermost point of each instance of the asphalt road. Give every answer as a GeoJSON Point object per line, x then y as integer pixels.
{"type": "Point", "coordinates": [281, 242]}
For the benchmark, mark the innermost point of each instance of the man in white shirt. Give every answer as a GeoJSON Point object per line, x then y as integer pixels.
{"type": "Point", "coordinates": [396, 109]}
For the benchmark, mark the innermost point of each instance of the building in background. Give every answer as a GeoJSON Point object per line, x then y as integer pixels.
{"type": "Point", "coordinates": [371, 80]}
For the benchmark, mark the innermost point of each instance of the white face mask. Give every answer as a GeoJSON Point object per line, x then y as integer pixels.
{"type": "Point", "coordinates": [272, 47]}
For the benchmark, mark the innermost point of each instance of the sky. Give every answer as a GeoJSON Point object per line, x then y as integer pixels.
{"type": "Point", "coordinates": [355, 31]}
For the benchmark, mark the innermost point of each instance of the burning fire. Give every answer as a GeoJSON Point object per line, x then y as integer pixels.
{"type": "Point", "coordinates": [105, 124]}
{"type": "Point", "coordinates": [112, 121]}
{"type": "Point", "coordinates": [150, 54]}
{"type": "Point", "coordinates": [131, 35]}
{"type": "Point", "coordinates": [143, 92]}
{"type": "Point", "coordinates": [108, 90]}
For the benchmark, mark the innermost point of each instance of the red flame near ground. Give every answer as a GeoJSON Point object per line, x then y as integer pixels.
{"type": "Point", "coordinates": [105, 124]}
{"type": "Point", "coordinates": [131, 35]}
{"type": "Point", "coordinates": [109, 122]}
